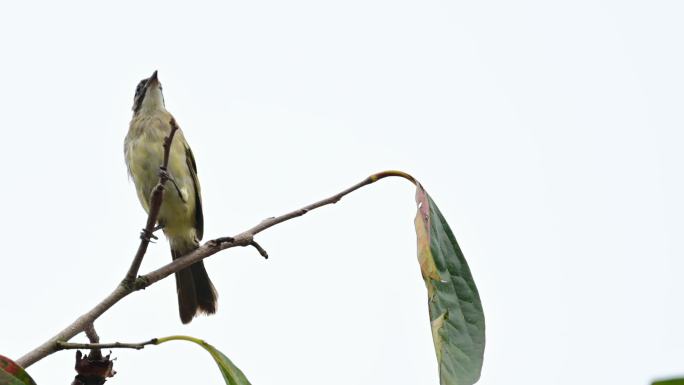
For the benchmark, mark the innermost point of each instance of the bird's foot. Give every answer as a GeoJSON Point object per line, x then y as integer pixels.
{"type": "Point", "coordinates": [147, 235]}
{"type": "Point", "coordinates": [164, 176]}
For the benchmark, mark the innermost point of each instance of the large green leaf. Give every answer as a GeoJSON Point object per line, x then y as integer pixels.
{"type": "Point", "coordinates": [13, 374]}
{"type": "Point", "coordinates": [457, 319]}
{"type": "Point", "coordinates": [674, 381]}
{"type": "Point", "coordinates": [231, 373]}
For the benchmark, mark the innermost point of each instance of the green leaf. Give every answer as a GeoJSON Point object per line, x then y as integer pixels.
{"type": "Point", "coordinates": [457, 319]}
{"type": "Point", "coordinates": [13, 374]}
{"type": "Point", "coordinates": [231, 373]}
{"type": "Point", "coordinates": [674, 381]}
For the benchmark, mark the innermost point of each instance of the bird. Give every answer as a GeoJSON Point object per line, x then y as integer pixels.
{"type": "Point", "coordinates": [180, 215]}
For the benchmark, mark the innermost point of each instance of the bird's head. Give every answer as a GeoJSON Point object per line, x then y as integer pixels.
{"type": "Point", "coordinates": [148, 95]}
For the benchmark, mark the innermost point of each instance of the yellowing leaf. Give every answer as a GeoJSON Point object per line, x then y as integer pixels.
{"type": "Point", "coordinates": [436, 325]}
{"type": "Point", "coordinates": [457, 319]}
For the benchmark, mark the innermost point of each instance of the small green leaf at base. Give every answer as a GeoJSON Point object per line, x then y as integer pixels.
{"type": "Point", "coordinates": [13, 374]}
{"type": "Point", "coordinates": [674, 381]}
{"type": "Point", "coordinates": [232, 375]}
{"type": "Point", "coordinates": [456, 316]}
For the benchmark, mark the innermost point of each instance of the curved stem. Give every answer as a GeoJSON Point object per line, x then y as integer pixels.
{"type": "Point", "coordinates": [401, 174]}
{"type": "Point", "coordinates": [179, 338]}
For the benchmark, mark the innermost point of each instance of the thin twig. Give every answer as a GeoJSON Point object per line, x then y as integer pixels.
{"type": "Point", "coordinates": [155, 205]}
{"type": "Point", "coordinates": [114, 345]}
{"type": "Point", "coordinates": [209, 248]}
{"type": "Point", "coordinates": [260, 249]}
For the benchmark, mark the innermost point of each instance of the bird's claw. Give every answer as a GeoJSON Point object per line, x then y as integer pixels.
{"type": "Point", "coordinates": [147, 235]}
{"type": "Point", "coordinates": [164, 177]}
{"type": "Point", "coordinates": [164, 174]}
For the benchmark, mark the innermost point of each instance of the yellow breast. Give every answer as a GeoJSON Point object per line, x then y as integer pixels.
{"type": "Point", "coordinates": [143, 148]}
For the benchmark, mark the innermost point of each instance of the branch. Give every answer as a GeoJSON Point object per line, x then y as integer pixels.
{"type": "Point", "coordinates": [114, 345]}
{"type": "Point", "coordinates": [246, 238]}
{"type": "Point", "coordinates": [93, 338]}
{"type": "Point", "coordinates": [92, 334]}
{"type": "Point", "coordinates": [209, 248]}
{"type": "Point", "coordinates": [155, 205]}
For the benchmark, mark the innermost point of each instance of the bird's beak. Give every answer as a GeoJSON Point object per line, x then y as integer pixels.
{"type": "Point", "coordinates": [153, 78]}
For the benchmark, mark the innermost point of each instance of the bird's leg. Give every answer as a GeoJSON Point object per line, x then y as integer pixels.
{"type": "Point", "coordinates": [165, 176]}
{"type": "Point", "coordinates": [149, 235]}
{"type": "Point", "coordinates": [180, 195]}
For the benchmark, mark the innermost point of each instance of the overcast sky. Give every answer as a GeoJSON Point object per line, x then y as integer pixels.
{"type": "Point", "coordinates": [549, 133]}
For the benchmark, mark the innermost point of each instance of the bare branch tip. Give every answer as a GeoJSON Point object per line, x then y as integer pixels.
{"type": "Point", "coordinates": [260, 249]}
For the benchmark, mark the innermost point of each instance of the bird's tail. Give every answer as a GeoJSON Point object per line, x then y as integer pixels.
{"type": "Point", "coordinates": [196, 293]}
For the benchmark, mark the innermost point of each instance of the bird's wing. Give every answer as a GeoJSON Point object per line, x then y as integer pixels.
{"type": "Point", "coordinates": [199, 216]}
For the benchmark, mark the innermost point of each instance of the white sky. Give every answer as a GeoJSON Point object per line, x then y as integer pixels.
{"type": "Point", "coordinates": [549, 133]}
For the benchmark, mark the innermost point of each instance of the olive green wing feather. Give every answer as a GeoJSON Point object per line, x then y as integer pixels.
{"type": "Point", "coordinates": [199, 216]}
